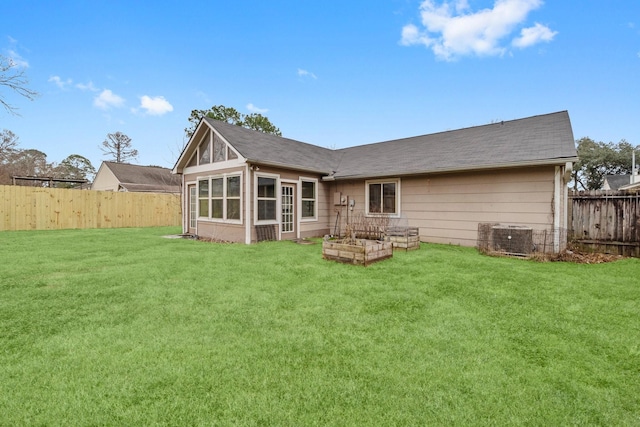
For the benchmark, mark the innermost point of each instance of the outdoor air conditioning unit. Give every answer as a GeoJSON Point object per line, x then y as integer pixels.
{"type": "Point", "coordinates": [512, 239]}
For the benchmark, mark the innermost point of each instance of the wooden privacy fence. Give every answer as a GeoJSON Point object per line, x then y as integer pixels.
{"type": "Point", "coordinates": [35, 208]}
{"type": "Point", "coordinates": [606, 221]}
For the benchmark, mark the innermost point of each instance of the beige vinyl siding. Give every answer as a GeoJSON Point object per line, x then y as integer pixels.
{"type": "Point", "coordinates": [105, 180]}
{"type": "Point", "coordinates": [447, 208]}
{"type": "Point", "coordinates": [220, 231]}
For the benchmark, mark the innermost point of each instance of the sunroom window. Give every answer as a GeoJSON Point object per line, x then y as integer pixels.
{"type": "Point", "coordinates": [203, 198]}
{"type": "Point", "coordinates": [266, 198]}
{"type": "Point", "coordinates": [220, 194]}
{"type": "Point", "coordinates": [233, 197]}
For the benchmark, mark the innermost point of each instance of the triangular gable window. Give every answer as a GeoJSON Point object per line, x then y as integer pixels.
{"type": "Point", "coordinates": [219, 149]}
{"type": "Point", "coordinates": [203, 149]}
{"type": "Point", "coordinates": [212, 149]}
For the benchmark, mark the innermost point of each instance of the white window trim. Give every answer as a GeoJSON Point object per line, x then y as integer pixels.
{"type": "Point", "coordinates": [315, 213]}
{"type": "Point", "coordinates": [255, 198]}
{"type": "Point", "coordinates": [223, 220]}
{"type": "Point", "coordinates": [395, 181]}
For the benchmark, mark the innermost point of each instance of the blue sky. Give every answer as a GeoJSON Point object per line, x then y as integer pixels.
{"type": "Point", "coordinates": [331, 73]}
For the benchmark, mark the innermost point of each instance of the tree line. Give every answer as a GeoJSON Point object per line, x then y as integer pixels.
{"type": "Point", "coordinates": [597, 159]}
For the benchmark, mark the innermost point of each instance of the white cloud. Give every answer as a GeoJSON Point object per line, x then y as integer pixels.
{"type": "Point", "coordinates": [108, 99]}
{"type": "Point", "coordinates": [155, 106]}
{"type": "Point", "coordinates": [305, 73]}
{"type": "Point", "coordinates": [62, 84]}
{"type": "Point", "coordinates": [451, 30]}
{"type": "Point", "coordinates": [16, 60]}
{"type": "Point", "coordinates": [534, 35]}
{"type": "Point", "coordinates": [87, 86]}
{"type": "Point", "coordinates": [255, 109]}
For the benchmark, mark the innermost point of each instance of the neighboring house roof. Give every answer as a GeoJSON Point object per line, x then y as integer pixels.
{"type": "Point", "coordinates": [152, 179]}
{"type": "Point", "coordinates": [614, 182]}
{"type": "Point", "coordinates": [631, 186]}
{"type": "Point", "coordinates": [537, 140]}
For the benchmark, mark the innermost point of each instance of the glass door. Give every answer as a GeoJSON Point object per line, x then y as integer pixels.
{"type": "Point", "coordinates": [288, 209]}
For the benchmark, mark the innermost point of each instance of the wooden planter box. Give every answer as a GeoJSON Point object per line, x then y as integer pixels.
{"type": "Point", "coordinates": [406, 238]}
{"type": "Point", "coordinates": [361, 252]}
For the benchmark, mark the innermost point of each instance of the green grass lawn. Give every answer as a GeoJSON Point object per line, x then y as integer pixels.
{"type": "Point", "coordinates": [124, 327]}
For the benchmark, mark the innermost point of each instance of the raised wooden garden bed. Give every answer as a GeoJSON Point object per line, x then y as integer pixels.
{"type": "Point", "coordinates": [356, 251]}
{"type": "Point", "coordinates": [407, 238]}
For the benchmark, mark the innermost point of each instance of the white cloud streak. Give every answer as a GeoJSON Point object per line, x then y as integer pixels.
{"type": "Point", "coordinates": [255, 109]}
{"type": "Point", "coordinates": [155, 106]}
{"type": "Point", "coordinates": [534, 35]}
{"type": "Point", "coordinates": [62, 84]}
{"type": "Point", "coordinates": [305, 73]}
{"type": "Point", "coordinates": [451, 30]}
{"type": "Point", "coordinates": [87, 86]}
{"type": "Point", "coordinates": [107, 100]}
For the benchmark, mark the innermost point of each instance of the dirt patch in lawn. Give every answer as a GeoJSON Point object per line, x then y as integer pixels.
{"type": "Point", "coordinates": [580, 257]}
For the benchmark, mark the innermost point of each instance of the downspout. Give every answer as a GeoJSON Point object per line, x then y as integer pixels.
{"type": "Point", "coordinates": [247, 204]}
{"type": "Point", "coordinates": [185, 205]}
{"type": "Point", "coordinates": [568, 168]}
{"type": "Point", "coordinates": [557, 194]}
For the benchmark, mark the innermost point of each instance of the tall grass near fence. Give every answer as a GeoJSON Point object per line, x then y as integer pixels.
{"type": "Point", "coordinates": [36, 208]}
{"type": "Point", "coordinates": [125, 327]}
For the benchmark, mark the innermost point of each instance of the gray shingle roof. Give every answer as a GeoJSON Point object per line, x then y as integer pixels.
{"type": "Point", "coordinates": [145, 178]}
{"type": "Point", "coordinates": [259, 147]}
{"type": "Point", "coordinates": [534, 140]}
{"type": "Point", "coordinates": [617, 181]}
{"type": "Point", "coordinates": [543, 139]}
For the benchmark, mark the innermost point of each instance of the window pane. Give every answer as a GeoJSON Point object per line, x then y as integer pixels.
{"type": "Point", "coordinates": [216, 187]}
{"type": "Point", "coordinates": [233, 186]}
{"type": "Point", "coordinates": [266, 209]}
{"type": "Point", "coordinates": [375, 198]}
{"type": "Point", "coordinates": [203, 207]}
{"type": "Point", "coordinates": [233, 209]}
{"type": "Point", "coordinates": [231, 155]}
{"type": "Point", "coordinates": [203, 188]}
{"type": "Point", "coordinates": [308, 208]}
{"type": "Point", "coordinates": [266, 187]}
{"type": "Point", "coordinates": [389, 197]}
{"type": "Point", "coordinates": [216, 208]}
{"type": "Point", "coordinates": [204, 150]}
{"type": "Point", "coordinates": [308, 190]}
{"type": "Point", "coordinates": [219, 149]}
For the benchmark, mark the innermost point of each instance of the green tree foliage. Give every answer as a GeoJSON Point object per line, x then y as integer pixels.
{"type": "Point", "coordinates": [12, 76]}
{"type": "Point", "coordinates": [598, 159]}
{"type": "Point", "coordinates": [75, 167]}
{"type": "Point", "coordinates": [232, 116]}
{"type": "Point", "coordinates": [118, 146]}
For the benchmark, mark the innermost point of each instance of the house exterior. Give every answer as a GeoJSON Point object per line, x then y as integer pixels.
{"type": "Point", "coordinates": [236, 181]}
{"type": "Point", "coordinates": [114, 176]}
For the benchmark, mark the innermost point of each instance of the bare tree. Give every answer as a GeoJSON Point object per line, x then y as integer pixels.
{"type": "Point", "coordinates": [13, 77]}
{"type": "Point", "coordinates": [118, 145]}
{"type": "Point", "coordinates": [8, 144]}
